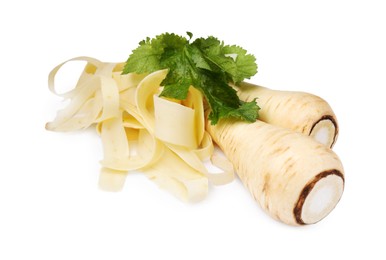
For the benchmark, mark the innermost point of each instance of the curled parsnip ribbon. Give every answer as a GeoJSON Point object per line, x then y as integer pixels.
{"type": "Point", "coordinates": [165, 139]}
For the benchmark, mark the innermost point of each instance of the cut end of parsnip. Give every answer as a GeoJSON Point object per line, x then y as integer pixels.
{"type": "Point", "coordinates": [325, 131]}
{"type": "Point", "coordinates": [319, 197]}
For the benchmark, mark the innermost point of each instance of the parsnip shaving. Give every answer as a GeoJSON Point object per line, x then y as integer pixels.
{"type": "Point", "coordinates": [168, 119]}
{"type": "Point", "coordinates": [110, 96]}
{"type": "Point", "coordinates": [165, 139]}
{"type": "Point", "coordinates": [174, 175]}
{"type": "Point", "coordinates": [112, 180]}
{"type": "Point", "coordinates": [83, 78]}
{"type": "Point", "coordinates": [114, 140]}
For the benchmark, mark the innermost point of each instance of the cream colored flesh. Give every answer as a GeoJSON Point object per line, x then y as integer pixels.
{"type": "Point", "coordinates": [322, 199]}
{"type": "Point", "coordinates": [324, 132]}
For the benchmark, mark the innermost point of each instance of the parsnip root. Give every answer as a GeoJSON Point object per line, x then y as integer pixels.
{"type": "Point", "coordinates": [302, 112]}
{"type": "Point", "coordinates": [294, 178]}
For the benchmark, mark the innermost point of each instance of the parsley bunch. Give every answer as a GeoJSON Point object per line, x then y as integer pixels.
{"type": "Point", "coordinates": [206, 64]}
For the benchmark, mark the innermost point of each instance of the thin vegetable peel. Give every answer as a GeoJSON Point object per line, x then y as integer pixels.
{"type": "Point", "coordinates": [163, 138]}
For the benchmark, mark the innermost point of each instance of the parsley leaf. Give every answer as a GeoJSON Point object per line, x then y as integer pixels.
{"type": "Point", "coordinates": [145, 58]}
{"type": "Point", "coordinates": [212, 50]}
{"type": "Point", "coordinates": [246, 65]}
{"type": "Point", "coordinates": [206, 64]}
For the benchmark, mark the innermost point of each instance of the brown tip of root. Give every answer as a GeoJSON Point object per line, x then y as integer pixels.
{"type": "Point", "coordinates": [312, 206]}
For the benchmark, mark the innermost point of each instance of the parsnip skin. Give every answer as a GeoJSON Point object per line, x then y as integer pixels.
{"type": "Point", "coordinates": [280, 168]}
{"type": "Point", "coordinates": [302, 112]}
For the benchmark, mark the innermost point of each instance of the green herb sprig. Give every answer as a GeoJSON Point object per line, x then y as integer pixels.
{"type": "Point", "coordinates": [206, 64]}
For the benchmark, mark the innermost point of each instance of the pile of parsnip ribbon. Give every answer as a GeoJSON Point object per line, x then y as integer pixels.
{"type": "Point", "coordinates": [141, 131]}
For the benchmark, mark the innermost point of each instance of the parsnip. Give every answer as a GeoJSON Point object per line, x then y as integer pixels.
{"type": "Point", "coordinates": [294, 178]}
{"type": "Point", "coordinates": [299, 111]}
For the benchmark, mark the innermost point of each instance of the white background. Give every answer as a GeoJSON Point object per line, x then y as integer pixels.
{"type": "Point", "coordinates": [50, 206]}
